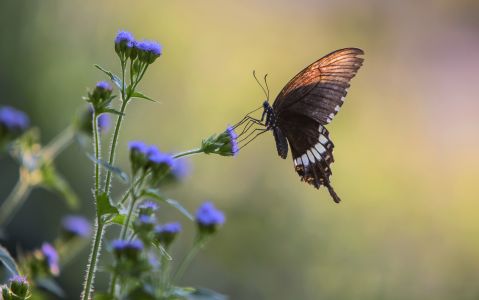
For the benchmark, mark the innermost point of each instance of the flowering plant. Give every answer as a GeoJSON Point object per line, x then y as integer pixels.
{"type": "Point", "coordinates": [142, 263]}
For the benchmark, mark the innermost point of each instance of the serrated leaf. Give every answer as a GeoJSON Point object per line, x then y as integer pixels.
{"type": "Point", "coordinates": [51, 286]}
{"type": "Point", "coordinates": [140, 95]}
{"type": "Point", "coordinates": [115, 170]}
{"type": "Point", "coordinates": [8, 261]}
{"type": "Point", "coordinates": [205, 294]}
{"type": "Point", "coordinates": [104, 205]}
{"type": "Point", "coordinates": [116, 80]}
{"type": "Point", "coordinates": [155, 194]}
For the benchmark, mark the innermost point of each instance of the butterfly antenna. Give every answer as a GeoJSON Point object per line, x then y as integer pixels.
{"type": "Point", "coordinates": [256, 78]}
{"type": "Point", "coordinates": [267, 87]}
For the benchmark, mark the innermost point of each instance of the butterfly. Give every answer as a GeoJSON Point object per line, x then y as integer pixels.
{"type": "Point", "coordinates": [301, 111]}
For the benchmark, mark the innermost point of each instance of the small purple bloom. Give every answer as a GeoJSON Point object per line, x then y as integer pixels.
{"type": "Point", "coordinates": [19, 279]}
{"type": "Point", "coordinates": [152, 150]}
{"type": "Point", "coordinates": [150, 47]}
{"type": "Point", "coordinates": [162, 159]}
{"type": "Point", "coordinates": [137, 146]}
{"type": "Point", "coordinates": [13, 119]}
{"type": "Point", "coordinates": [76, 226]}
{"type": "Point", "coordinates": [146, 220]}
{"type": "Point", "coordinates": [208, 215]}
{"type": "Point", "coordinates": [233, 140]}
{"type": "Point", "coordinates": [51, 258]}
{"type": "Point", "coordinates": [148, 207]}
{"type": "Point", "coordinates": [171, 228]}
{"type": "Point", "coordinates": [124, 37]}
{"type": "Point", "coordinates": [104, 85]}
{"type": "Point", "coordinates": [119, 245]}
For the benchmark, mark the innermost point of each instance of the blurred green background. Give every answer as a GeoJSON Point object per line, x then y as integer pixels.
{"type": "Point", "coordinates": [406, 141]}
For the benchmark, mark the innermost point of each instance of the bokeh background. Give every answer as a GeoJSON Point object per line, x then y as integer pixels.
{"type": "Point", "coordinates": [407, 139]}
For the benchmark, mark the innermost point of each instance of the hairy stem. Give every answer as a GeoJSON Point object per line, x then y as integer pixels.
{"type": "Point", "coordinates": [197, 246]}
{"type": "Point", "coordinates": [93, 259]}
{"type": "Point", "coordinates": [188, 153]}
{"type": "Point", "coordinates": [97, 154]}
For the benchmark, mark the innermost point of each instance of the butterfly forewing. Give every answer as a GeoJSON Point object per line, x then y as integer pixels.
{"type": "Point", "coordinates": [308, 102]}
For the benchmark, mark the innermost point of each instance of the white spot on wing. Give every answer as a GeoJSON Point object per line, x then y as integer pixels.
{"type": "Point", "coordinates": [320, 148]}
{"type": "Point", "coordinates": [310, 156]}
{"type": "Point", "coordinates": [322, 139]}
{"type": "Point", "coordinates": [337, 108]}
{"type": "Point", "coordinates": [331, 115]}
{"type": "Point", "coordinates": [305, 160]}
{"type": "Point", "coordinates": [342, 99]}
{"type": "Point", "coordinates": [297, 161]}
{"type": "Point", "coordinates": [316, 153]}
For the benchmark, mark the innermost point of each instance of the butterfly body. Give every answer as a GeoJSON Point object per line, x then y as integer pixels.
{"type": "Point", "coordinates": [302, 109]}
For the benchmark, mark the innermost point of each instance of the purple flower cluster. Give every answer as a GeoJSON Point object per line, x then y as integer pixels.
{"type": "Point", "coordinates": [146, 51]}
{"type": "Point", "coordinates": [208, 217]}
{"type": "Point", "coordinates": [104, 86]}
{"type": "Point", "coordinates": [129, 250]}
{"type": "Point", "coordinates": [233, 143]}
{"type": "Point", "coordinates": [13, 119]}
{"type": "Point", "coordinates": [76, 226]}
{"type": "Point", "coordinates": [51, 258]}
{"type": "Point", "coordinates": [147, 208]}
{"type": "Point", "coordinates": [146, 157]}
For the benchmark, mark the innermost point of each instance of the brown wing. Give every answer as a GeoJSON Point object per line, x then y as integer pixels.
{"type": "Point", "coordinates": [318, 91]}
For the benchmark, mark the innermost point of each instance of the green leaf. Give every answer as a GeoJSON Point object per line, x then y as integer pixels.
{"type": "Point", "coordinates": [118, 219]}
{"type": "Point", "coordinates": [155, 194]}
{"type": "Point", "coordinates": [51, 286]}
{"type": "Point", "coordinates": [115, 170]}
{"type": "Point", "coordinates": [116, 80]}
{"type": "Point", "coordinates": [53, 181]}
{"type": "Point", "coordinates": [104, 205]}
{"type": "Point", "coordinates": [8, 261]}
{"type": "Point", "coordinates": [140, 95]}
{"type": "Point", "coordinates": [205, 294]}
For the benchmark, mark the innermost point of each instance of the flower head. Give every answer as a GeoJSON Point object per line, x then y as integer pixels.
{"type": "Point", "coordinates": [18, 289]}
{"type": "Point", "coordinates": [12, 123]}
{"type": "Point", "coordinates": [127, 249]}
{"type": "Point", "coordinates": [76, 226]}
{"type": "Point", "coordinates": [103, 85]}
{"type": "Point", "coordinates": [104, 122]}
{"type": "Point", "coordinates": [148, 51]}
{"type": "Point", "coordinates": [85, 124]}
{"type": "Point", "coordinates": [124, 42]}
{"type": "Point", "coordinates": [143, 225]}
{"type": "Point", "coordinates": [101, 96]}
{"type": "Point", "coordinates": [138, 155]}
{"type": "Point", "coordinates": [208, 217]}
{"type": "Point", "coordinates": [166, 233]}
{"type": "Point", "coordinates": [51, 258]}
{"type": "Point", "coordinates": [225, 143]}
{"type": "Point", "coordinates": [148, 208]}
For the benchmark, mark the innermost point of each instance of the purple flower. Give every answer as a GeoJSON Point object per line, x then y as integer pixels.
{"type": "Point", "coordinates": [148, 208]}
{"type": "Point", "coordinates": [76, 226]}
{"type": "Point", "coordinates": [171, 228]}
{"type": "Point", "coordinates": [127, 249]}
{"type": "Point", "coordinates": [51, 258]}
{"type": "Point", "coordinates": [209, 218]}
{"type": "Point", "coordinates": [13, 119]}
{"type": "Point", "coordinates": [137, 146]}
{"type": "Point", "coordinates": [148, 51]}
{"type": "Point", "coordinates": [124, 37]}
{"type": "Point", "coordinates": [19, 279]}
{"type": "Point", "coordinates": [165, 234]}
{"type": "Point", "coordinates": [161, 159]}
{"type": "Point", "coordinates": [233, 143]}
{"type": "Point", "coordinates": [103, 85]}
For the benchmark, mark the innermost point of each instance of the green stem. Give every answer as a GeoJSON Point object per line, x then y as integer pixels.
{"type": "Point", "coordinates": [188, 153]}
{"type": "Point", "coordinates": [97, 154]}
{"type": "Point", "coordinates": [200, 242]}
{"type": "Point", "coordinates": [92, 261]}
{"type": "Point", "coordinates": [114, 143]}
{"type": "Point", "coordinates": [14, 201]}
{"type": "Point", "coordinates": [165, 273]}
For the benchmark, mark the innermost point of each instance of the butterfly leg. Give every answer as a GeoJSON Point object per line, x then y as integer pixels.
{"type": "Point", "coordinates": [261, 131]}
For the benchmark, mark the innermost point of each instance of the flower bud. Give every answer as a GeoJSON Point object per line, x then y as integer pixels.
{"type": "Point", "coordinates": [144, 225]}
{"type": "Point", "coordinates": [209, 218]}
{"type": "Point", "coordinates": [127, 250]}
{"type": "Point", "coordinates": [101, 96]}
{"type": "Point", "coordinates": [225, 143]}
{"type": "Point", "coordinates": [148, 51]}
{"type": "Point", "coordinates": [166, 233]}
{"type": "Point", "coordinates": [75, 226]}
{"type": "Point", "coordinates": [147, 208]}
{"type": "Point", "coordinates": [19, 287]}
{"type": "Point", "coordinates": [50, 259]}
{"type": "Point", "coordinates": [85, 122]}
{"type": "Point", "coordinates": [138, 156]}
{"type": "Point", "coordinates": [12, 123]}
{"type": "Point", "coordinates": [124, 42]}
